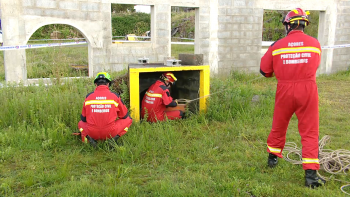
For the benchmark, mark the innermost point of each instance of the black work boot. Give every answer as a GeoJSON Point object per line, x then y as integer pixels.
{"type": "Point", "coordinates": [113, 141]}
{"type": "Point", "coordinates": [312, 180]}
{"type": "Point", "coordinates": [272, 160]}
{"type": "Point", "coordinates": [92, 142]}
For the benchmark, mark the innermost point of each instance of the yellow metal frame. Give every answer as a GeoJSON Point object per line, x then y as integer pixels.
{"type": "Point", "coordinates": [134, 81]}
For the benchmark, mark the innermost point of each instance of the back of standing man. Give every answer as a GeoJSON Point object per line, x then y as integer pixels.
{"type": "Point", "coordinates": [294, 61]}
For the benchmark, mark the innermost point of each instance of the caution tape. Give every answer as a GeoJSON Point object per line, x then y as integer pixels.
{"type": "Point", "coordinates": [32, 46]}
{"type": "Point", "coordinates": [336, 46]}
{"type": "Point", "coordinates": [268, 43]}
{"type": "Point", "coordinates": [40, 40]}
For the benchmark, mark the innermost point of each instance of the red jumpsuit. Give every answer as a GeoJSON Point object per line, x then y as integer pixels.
{"type": "Point", "coordinates": [155, 101]}
{"type": "Point", "coordinates": [294, 60]}
{"type": "Point", "coordinates": [99, 115]}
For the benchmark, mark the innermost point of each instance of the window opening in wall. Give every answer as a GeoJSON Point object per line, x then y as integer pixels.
{"type": "Point", "coordinates": [59, 61]}
{"type": "Point", "coordinates": [182, 30]}
{"type": "Point", "coordinates": [130, 23]}
{"type": "Point", "coordinates": [273, 28]}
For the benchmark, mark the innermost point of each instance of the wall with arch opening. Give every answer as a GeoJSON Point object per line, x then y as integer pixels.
{"type": "Point", "coordinates": [228, 32]}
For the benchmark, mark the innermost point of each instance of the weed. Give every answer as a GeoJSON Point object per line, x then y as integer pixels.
{"type": "Point", "coordinates": [219, 153]}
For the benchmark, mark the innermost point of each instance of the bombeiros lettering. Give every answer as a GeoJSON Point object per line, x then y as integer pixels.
{"type": "Point", "coordinates": [100, 110]}
{"type": "Point", "coordinates": [297, 61]}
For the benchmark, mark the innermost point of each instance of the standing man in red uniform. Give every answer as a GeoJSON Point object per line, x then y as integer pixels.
{"type": "Point", "coordinates": [294, 61]}
{"type": "Point", "coordinates": [104, 115]}
{"type": "Point", "coordinates": [157, 98]}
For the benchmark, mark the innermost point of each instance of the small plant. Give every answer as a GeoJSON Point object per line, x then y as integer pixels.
{"type": "Point", "coordinates": [125, 95]}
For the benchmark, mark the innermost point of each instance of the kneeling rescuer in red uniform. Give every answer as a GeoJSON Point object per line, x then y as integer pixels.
{"type": "Point", "coordinates": [157, 98]}
{"type": "Point", "coordinates": [104, 115]}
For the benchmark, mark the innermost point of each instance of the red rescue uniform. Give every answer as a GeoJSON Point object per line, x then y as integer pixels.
{"type": "Point", "coordinates": [294, 60]}
{"type": "Point", "coordinates": [104, 115]}
{"type": "Point", "coordinates": [155, 101]}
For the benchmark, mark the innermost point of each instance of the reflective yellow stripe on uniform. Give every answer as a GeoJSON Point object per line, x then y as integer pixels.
{"type": "Point", "coordinates": [274, 150]}
{"type": "Point", "coordinates": [296, 50]}
{"type": "Point", "coordinates": [153, 95]}
{"type": "Point", "coordinates": [310, 160]}
{"type": "Point", "coordinates": [101, 102]}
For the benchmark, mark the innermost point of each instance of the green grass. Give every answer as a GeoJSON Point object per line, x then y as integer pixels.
{"type": "Point", "coordinates": [220, 153]}
{"type": "Point", "coordinates": [56, 61]}
{"type": "Point", "coordinates": [177, 49]}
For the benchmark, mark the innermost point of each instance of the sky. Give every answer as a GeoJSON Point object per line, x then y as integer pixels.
{"type": "Point", "coordinates": [143, 8]}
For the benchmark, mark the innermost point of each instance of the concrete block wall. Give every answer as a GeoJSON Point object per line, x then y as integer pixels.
{"type": "Point", "coordinates": [239, 35]}
{"type": "Point", "coordinates": [227, 32]}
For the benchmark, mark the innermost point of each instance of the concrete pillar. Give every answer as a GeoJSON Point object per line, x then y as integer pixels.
{"type": "Point", "coordinates": [206, 28]}
{"type": "Point", "coordinates": [213, 55]}
{"type": "Point", "coordinates": [161, 21]}
{"type": "Point", "coordinates": [322, 39]}
{"type": "Point", "coordinates": [13, 34]}
{"type": "Point", "coordinates": [330, 23]}
{"type": "Point", "coordinates": [341, 56]}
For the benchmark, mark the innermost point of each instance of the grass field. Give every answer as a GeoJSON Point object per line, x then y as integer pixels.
{"type": "Point", "coordinates": [220, 153]}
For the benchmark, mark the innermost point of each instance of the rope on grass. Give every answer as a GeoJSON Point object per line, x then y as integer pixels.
{"type": "Point", "coordinates": [332, 161]}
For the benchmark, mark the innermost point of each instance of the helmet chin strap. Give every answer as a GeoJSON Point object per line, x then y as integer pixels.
{"type": "Point", "coordinates": [291, 29]}
{"type": "Point", "coordinates": [288, 29]}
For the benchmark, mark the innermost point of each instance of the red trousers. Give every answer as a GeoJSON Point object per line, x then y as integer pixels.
{"type": "Point", "coordinates": [300, 98]}
{"type": "Point", "coordinates": [171, 115]}
{"type": "Point", "coordinates": [120, 127]}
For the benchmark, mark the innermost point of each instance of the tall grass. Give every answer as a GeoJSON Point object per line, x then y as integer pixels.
{"type": "Point", "coordinates": [56, 61]}
{"type": "Point", "coordinates": [219, 153]}
{"type": "Point", "coordinates": [52, 62]}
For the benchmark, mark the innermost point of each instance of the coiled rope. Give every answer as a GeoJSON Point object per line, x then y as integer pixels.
{"type": "Point", "coordinates": [332, 161]}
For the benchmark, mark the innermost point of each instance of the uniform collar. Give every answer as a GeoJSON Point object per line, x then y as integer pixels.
{"type": "Point", "coordinates": [161, 81]}
{"type": "Point", "coordinates": [102, 87]}
{"type": "Point", "coordinates": [295, 32]}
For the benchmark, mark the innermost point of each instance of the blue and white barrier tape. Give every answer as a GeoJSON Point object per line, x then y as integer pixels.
{"type": "Point", "coordinates": [336, 46]}
{"type": "Point", "coordinates": [57, 39]}
{"type": "Point", "coordinates": [5, 48]}
{"type": "Point", "coordinates": [32, 46]}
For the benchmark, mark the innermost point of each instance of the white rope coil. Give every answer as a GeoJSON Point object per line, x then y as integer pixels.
{"type": "Point", "coordinates": [332, 161]}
